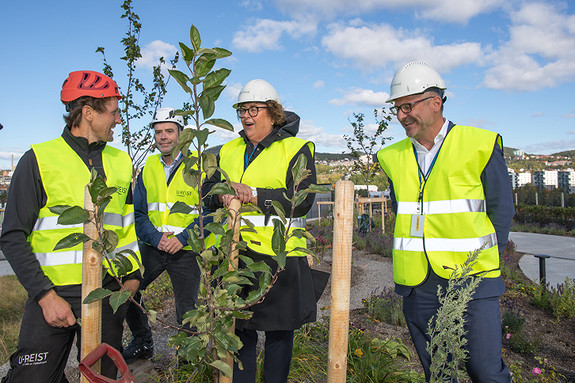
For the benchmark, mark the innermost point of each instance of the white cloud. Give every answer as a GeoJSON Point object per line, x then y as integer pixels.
{"type": "Point", "coordinates": [318, 84]}
{"type": "Point", "coordinates": [365, 97]}
{"type": "Point", "coordinates": [8, 155]}
{"type": "Point", "coordinates": [264, 34]}
{"type": "Point", "coordinates": [550, 146]}
{"type": "Point", "coordinates": [375, 46]}
{"type": "Point", "coordinates": [232, 90]}
{"type": "Point", "coordinates": [152, 52]}
{"type": "Point", "coordinates": [540, 52]}
{"type": "Point", "coordinates": [252, 5]}
{"type": "Point", "coordinates": [457, 11]}
{"type": "Point", "coordinates": [309, 131]}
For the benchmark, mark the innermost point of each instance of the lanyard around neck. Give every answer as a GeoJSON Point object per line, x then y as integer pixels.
{"type": "Point", "coordinates": [247, 158]}
{"type": "Point", "coordinates": [423, 177]}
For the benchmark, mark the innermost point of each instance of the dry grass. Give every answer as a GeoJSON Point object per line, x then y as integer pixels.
{"type": "Point", "coordinates": [11, 309]}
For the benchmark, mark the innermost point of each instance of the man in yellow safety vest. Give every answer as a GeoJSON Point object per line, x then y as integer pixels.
{"type": "Point", "coordinates": [56, 173]}
{"type": "Point", "coordinates": [451, 194]}
{"type": "Point", "coordinates": [163, 236]}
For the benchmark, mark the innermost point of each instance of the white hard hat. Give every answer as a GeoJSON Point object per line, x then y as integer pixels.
{"type": "Point", "coordinates": [168, 115]}
{"type": "Point", "coordinates": [414, 78]}
{"type": "Point", "coordinates": [257, 91]}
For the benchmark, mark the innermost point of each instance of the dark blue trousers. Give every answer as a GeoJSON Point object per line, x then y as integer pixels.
{"type": "Point", "coordinates": [277, 356]}
{"type": "Point", "coordinates": [184, 273]}
{"type": "Point", "coordinates": [483, 326]}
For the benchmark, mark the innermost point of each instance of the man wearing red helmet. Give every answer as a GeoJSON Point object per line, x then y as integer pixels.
{"type": "Point", "coordinates": [55, 173]}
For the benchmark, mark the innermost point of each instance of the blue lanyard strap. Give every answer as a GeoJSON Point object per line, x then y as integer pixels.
{"type": "Point", "coordinates": [420, 172]}
{"type": "Point", "coordinates": [247, 159]}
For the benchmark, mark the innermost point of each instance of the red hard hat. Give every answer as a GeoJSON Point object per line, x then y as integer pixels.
{"type": "Point", "coordinates": [88, 83]}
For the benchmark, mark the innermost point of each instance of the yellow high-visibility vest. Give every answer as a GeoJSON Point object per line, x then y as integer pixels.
{"type": "Point", "coordinates": [64, 178]}
{"type": "Point", "coordinates": [267, 170]}
{"type": "Point", "coordinates": [453, 206]}
{"type": "Point", "coordinates": [161, 197]}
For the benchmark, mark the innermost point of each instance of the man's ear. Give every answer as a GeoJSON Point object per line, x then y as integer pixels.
{"type": "Point", "coordinates": [88, 112]}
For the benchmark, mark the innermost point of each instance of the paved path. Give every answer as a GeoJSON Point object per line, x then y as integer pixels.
{"type": "Point", "coordinates": [561, 265]}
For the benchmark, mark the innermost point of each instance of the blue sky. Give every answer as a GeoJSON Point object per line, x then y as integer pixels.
{"type": "Point", "coordinates": [509, 65]}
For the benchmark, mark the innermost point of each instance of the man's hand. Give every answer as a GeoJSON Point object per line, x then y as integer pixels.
{"type": "Point", "coordinates": [132, 285]}
{"type": "Point", "coordinates": [164, 241]}
{"type": "Point", "coordinates": [57, 312]}
{"type": "Point", "coordinates": [173, 245]}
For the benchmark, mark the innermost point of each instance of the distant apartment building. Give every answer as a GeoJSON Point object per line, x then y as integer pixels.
{"type": "Point", "coordinates": [518, 153]}
{"type": "Point", "coordinates": [524, 178]}
{"type": "Point", "coordinates": [567, 180]}
{"type": "Point", "coordinates": [519, 179]}
{"type": "Point", "coordinates": [548, 179]}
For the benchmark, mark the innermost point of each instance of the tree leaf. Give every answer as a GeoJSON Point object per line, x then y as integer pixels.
{"type": "Point", "coordinates": [194, 240]}
{"type": "Point", "coordinates": [58, 209]}
{"type": "Point", "coordinates": [216, 77]}
{"type": "Point", "coordinates": [118, 298]}
{"type": "Point", "coordinates": [214, 92]}
{"type": "Point", "coordinates": [73, 216]}
{"type": "Point", "coordinates": [207, 105]}
{"type": "Point", "coordinates": [248, 209]}
{"type": "Point", "coordinates": [281, 259]}
{"type": "Point", "coordinates": [220, 123]}
{"type": "Point", "coordinates": [181, 78]}
{"type": "Point", "coordinates": [195, 37]}
{"type": "Point", "coordinates": [260, 266]}
{"type": "Point", "coordinates": [222, 188]}
{"type": "Point", "coordinates": [187, 53]}
{"type": "Point", "coordinates": [204, 66]}
{"type": "Point", "coordinates": [202, 136]}
{"type": "Point", "coordinates": [317, 189]}
{"type": "Point", "coordinates": [71, 240]}
{"type": "Point", "coordinates": [95, 187]}
{"type": "Point", "coordinates": [221, 53]}
{"type": "Point", "coordinates": [181, 207]}
{"type": "Point", "coordinates": [96, 295]}
{"type": "Point", "coordinates": [299, 169]}
{"type": "Point", "coordinates": [279, 211]}
{"type": "Point", "coordinates": [223, 367]}
{"type": "Point", "coordinates": [278, 237]}
{"type": "Point", "coordinates": [215, 228]}
{"type": "Point", "coordinates": [191, 178]}
{"type": "Point", "coordinates": [109, 240]}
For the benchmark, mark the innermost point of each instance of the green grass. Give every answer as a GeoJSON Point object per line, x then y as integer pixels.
{"type": "Point", "coordinates": [11, 310]}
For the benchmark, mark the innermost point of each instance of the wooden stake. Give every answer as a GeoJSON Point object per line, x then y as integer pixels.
{"type": "Point", "coordinates": [340, 282]}
{"type": "Point", "coordinates": [235, 219]}
{"type": "Point", "coordinates": [91, 279]}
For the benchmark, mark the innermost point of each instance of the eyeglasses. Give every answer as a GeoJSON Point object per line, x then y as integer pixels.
{"type": "Point", "coordinates": [252, 111]}
{"type": "Point", "coordinates": [407, 107]}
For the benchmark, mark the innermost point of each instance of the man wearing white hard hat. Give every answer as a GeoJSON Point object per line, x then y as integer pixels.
{"type": "Point", "coordinates": [452, 195]}
{"type": "Point", "coordinates": [259, 164]}
{"type": "Point", "coordinates": [163, 236]}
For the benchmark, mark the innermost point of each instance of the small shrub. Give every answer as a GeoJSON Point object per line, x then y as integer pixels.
{"type": "Point", "coordinates": [540, 296]}
{"type": "Point", "coordinates": [385, 306]}
{"type": "Point", "coordinates": [377, 361]}
{"type": "Point", "coordinates": [563, 299]}
{"type": "Point", "coordinates": [512, 320]}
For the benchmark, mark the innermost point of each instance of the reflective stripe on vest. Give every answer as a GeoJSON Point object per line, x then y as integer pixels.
{"type": "Point", "coordinates": [268, 170]}
{"type": "Point", "coordinates": [443, 207]}
{"type": "Point", "coordinates": [56, 162]}
{"type": "Point", "coordinates": [112, 219]}
{"type": "Point", "coordinates": [456, 221]}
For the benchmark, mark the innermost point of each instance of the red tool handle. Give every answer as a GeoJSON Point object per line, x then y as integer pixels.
{"type": "Point", "coordinates": [96, 355]}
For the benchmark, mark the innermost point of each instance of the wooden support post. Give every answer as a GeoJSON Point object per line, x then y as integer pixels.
{"type": "Point", "coordinates": [91, 280]}
{"type": "Point", "coordinates": [340, 282]}
{"type": "Point", "coordinates": [235, 220]}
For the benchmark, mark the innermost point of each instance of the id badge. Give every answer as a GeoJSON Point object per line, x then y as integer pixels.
{"type": "Point", "coordinates": [417, 225]}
